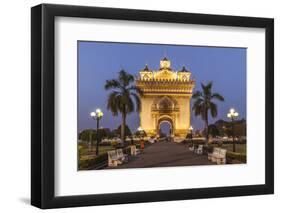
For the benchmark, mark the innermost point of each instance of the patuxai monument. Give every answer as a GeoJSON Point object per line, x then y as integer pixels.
{"type": "Point", "coordinates": [166, 95]}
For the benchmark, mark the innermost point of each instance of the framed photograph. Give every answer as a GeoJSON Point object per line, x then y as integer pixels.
{"type": "Point", "coordinates": [136, 106]}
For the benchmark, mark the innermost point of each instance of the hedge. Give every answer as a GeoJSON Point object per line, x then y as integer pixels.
{"type": "Point", "coordinates": [87, 163]}
{"type": "Point", "coordinates": [236, 156]}
{"type": "Point", "coordinates": [208, 149]}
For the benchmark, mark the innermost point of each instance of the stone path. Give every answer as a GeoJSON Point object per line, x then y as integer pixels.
{"type": "Point", "coordinates": [164, 154]}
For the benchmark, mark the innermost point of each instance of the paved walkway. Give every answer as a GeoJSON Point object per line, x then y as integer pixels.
{"type": "Point", "coordinates": [164, 154]}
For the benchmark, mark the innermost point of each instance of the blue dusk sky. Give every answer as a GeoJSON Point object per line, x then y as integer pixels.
{"type": "Point", "coordinates": [99, 61]}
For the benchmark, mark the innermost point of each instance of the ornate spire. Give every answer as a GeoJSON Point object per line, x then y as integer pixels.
{"type": "Point", "coordinates": [165, 64]}
{"type": "Point", "coordinates": [146, 68]}
{"type": "Point", "coordinates": [184, 69]}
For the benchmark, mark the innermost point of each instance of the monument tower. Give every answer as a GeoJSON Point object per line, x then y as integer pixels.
{"type": "Point", "coordinates": [166, 95]}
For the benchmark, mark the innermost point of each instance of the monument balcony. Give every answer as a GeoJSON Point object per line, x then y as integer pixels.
{"type": "Point", "coordinates": [164, 81]}
{"type": "Point", "coordinates": [167, 110]}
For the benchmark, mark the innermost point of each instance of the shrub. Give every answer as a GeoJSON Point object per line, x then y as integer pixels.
{"type": "Point", "coordinates": [80, 150]}
{"type": "Point", "coordinates": [208, 149]}
{"type": "Point", "coordinates": [127, 150]}
{"type": "Point", "coordinates": [220, 143]}
{"type": "Point", "coordinates": [91, 162]}
{"type": "Point", "coordinates": [236, 156]}
{"type": "Point", "coordinates": [114, 144]}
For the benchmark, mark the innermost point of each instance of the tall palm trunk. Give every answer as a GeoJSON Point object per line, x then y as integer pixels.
{"type": "Point", "coordinates": [123, 127]}
{"type": "Point", "coordinates": [207, 127]}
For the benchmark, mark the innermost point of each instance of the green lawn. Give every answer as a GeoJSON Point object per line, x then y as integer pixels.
{"type": "Point", "coordinates": [87, 153]}
{"type": "Point", "coordinates": [240, 148]}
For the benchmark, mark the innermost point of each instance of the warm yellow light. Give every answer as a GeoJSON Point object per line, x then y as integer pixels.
{"type": "Point", "coordinates": [190, 128]}
{"type": "Point", "coordinates": [236, 114]}
{"type": "Point", "coordinates": [232, 110]}
{"type": "Point", "coordinates": [140, 129]}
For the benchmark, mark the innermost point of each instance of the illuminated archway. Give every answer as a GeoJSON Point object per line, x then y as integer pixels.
{"type": "Point", "coordinates": [165, 96]}
{"type": "Point", "coordinates": [165, 119]}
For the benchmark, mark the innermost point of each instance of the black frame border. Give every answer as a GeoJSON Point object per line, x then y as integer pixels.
{"type": "Point", "coordinates": [42, 105]}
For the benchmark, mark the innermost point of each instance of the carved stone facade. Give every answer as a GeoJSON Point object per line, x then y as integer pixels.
{"type": "Point", "coordinates": [165, 97]}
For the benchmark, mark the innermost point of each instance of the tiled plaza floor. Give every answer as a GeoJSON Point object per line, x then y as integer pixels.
{"type": "Point", "coordinates": [164, 154]}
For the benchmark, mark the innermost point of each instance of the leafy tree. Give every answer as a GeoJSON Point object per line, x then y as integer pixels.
{"type": "Point", "coordinates": [88, 135]}
{"type": "Point", "coordinates": [127, 130]}
{"type": "Point", "coordinates": [104, 132]}
{"type": "Point", "coordinates": [124, 97]}
{"type": "Point", "coordinates": [142, 133]}
{"type": "Point", "coordinates": [213, 130]}
{"type": "Point", "coordinates": [204, 104]}
{"type": "Point", "coordinates": [225, 127]}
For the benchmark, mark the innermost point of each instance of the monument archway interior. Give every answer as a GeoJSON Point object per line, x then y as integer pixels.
{"type": "Point", "coordinates": [164, 123]}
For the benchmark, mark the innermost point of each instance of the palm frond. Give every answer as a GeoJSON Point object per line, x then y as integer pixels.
{"type": "Point", "coordinates": [207, 89]}
{"type": "Point", "coordinates": [125, 78]}
{"type": "Point", "coordinates": [128, 103]}
{"type": "Point", "coordinates": [197, 108]}
{"type": "Point", "coordinates": [113, 102]}
{"type": "Point", "coordinates": [217, 96]}
{"type": "Point", "coordinates": [135, 89]}
{"type": "Point", "coordinates": [112, 84]}
{"type": "Point", "coordinates": [213, 109]}
{"type": "Point", "coordinates": [197, 94]}
{"type": "Point", "coordinates": [137, 101]}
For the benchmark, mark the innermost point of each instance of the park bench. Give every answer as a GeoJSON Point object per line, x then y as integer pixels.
{"type": "Point", "coordinates": [191, 148]}
{"type": "Point", "coordinates": [113, 159]}
{"type": "Point", "coordinates": [123, 157]}
{"type": "Point", "coordinates": [199, 150]}
{"type": "Point", "coordinates": [116, 157]}
{"type": "Point", "coordinates": [134, 150]}
{"type": "Point", "coordinates": [178, 139]}
{"type": "Point", "coordinates": [218, 156]}
{"type": "Point", "coordinates": [151, 140]}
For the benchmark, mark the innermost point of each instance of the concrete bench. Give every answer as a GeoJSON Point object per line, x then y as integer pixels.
{"type": "Point", "coordinates": [116, 157]}
{"type": "Point", "coordinates": [112, 158]}
{"type": "Point", "coordinates": [199, 150]}
{"type": "Point", "coordinates": [123, 157]}
{"type": "Point", "coordinates": [134, 150]}
{"type": "Point", "coordinates": [218, 156]}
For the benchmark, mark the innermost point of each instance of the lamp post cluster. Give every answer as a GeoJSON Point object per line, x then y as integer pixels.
{"type": "Point", "coordinates": [232, 115]}
{"type": "Point", "coordinates": [97, 115]}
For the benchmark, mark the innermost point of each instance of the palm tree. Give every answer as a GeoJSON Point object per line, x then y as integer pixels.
{"type": "Point", "coordinates": [204, 103]}
{"type": "Point", "coordinates": [124, 98]}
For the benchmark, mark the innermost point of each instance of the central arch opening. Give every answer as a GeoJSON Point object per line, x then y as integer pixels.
{"type": "Point", "coordinates": [165, 129]}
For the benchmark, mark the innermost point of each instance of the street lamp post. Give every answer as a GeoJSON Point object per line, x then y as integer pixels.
{"type": "Point", "coordinates": [97, 115]}
{"type": "Point", "coordinates": [191, 134]}
{"type": "Point", "coordinates": [232, 115]}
